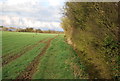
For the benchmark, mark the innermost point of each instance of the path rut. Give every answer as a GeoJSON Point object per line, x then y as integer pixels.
{"type": "Point", "coordinates": [32, 67]}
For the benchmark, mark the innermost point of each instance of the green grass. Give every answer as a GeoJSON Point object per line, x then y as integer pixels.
{"type": "Point", "coordinates": [60, 61]}
{"type": "Point", "coordinates": [0, 55]}
{"type": "Point", "coordinates": [13, 42]}
{"type": "Point", "coordinates": [57, 62]}
{"type": "Point", "coordinates": [13, 69]}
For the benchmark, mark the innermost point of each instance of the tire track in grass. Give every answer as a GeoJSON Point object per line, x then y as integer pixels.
{"type": "Point", "coordinates": [22, 52]}
{"type": "Point", "coordinates": [31, 69]}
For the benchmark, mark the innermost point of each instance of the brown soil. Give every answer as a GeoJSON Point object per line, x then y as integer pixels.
{"type": "Point", "coordinates": [32, 67]}
{"type": "Point", "coordinates": [8, 58]}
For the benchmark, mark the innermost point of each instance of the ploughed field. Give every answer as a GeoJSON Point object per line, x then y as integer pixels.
{"type": "Point", "coordinates": [39, 56]}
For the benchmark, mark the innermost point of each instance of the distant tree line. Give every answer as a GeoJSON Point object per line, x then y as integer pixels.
{"type": "Point", "coordinates": [13, 29]}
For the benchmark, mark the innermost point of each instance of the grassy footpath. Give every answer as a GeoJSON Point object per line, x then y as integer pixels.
{"type": "Point", "coordinates": [59, 62]}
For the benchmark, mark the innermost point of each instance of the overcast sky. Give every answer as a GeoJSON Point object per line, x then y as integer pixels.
{"type": "Point", "coordinates": [43, 14]}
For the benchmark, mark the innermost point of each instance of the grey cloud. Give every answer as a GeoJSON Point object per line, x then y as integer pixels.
{"type": "Point", "coordinates": [37, 13]}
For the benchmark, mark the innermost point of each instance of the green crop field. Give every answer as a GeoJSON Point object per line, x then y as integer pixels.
{"type": "Point", "coordinates": [39, 56]}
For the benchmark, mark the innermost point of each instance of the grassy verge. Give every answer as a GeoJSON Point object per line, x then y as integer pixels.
{"type": "Point", "coordinates": [59, 62]}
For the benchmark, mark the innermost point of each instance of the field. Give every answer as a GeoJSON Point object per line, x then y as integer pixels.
{"type": "Point", "coordinates": [39, 56]}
